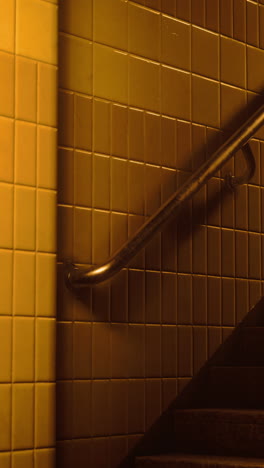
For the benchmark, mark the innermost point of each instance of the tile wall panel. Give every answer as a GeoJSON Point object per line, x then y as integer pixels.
{"type": "Point", "coordinates": [148, 90]}
{"type": "Point", "coordinates": [28, 141]}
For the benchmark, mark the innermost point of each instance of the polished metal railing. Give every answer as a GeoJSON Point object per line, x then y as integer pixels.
{"type": "Point", "coordinates": [79, 277]}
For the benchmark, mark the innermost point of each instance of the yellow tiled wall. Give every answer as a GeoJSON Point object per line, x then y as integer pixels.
{"type": "Point", "coordinates": [28, 121]}
{"type": "Point", "coordinates": [148, 89]}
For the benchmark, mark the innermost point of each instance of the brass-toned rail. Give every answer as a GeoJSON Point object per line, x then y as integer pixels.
{"type": "Point", "coordinates": [79, 277]}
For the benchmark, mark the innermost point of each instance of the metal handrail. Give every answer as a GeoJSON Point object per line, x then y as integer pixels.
{"type": "Point", "coordinates": [79, 277]}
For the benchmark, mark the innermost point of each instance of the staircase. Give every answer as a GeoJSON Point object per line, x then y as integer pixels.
{"type": "Point", "coordinates": [225, 428]}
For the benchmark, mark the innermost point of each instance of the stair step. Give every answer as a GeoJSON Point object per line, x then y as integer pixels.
{"type": "Point", "coordinates": [249, 349]}
{"type": "Point", "coordinates": [178, 460]}
{"type": "Point", "coordinates": [220, 432]}
{"type": "Point", "coordinates": [235, 387]}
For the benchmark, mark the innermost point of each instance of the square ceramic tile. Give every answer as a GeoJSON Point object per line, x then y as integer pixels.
{"type": "Point", "coordinates": [25, 153]}
{"type": "Point", "coordinates": [136, 302]}
{"type": "Point", "coordinates": [45, 340]}
{"type": "Point", "coordinates": [5, 349]}
{"type": "Point", "coordinates": [26, 89]}
{"type": "Point", "coordinates": [75, 64]}
{"type": "Point", "coordinates": [30, 18]}
{"type": "Point", "coordinates": [7, 26]}
{"type": "Point", "coordinates": [136, 188]}
{"type": "Point", "coordinates": [183, 9]}
{"type": "Point", "coordinates": [240, 19]}
{"type": "Point", "coordinates": [66, 118]}
{"type": "Point", "coordinates": [175, 43]}
{"type": "Point", "coordinates": [101, 126]}
{"type": "Point", "coordinates": [5, 419]}
{"type": "Point", "coordinates": [119, 406]}
{"type": "Point", "coordinates": [119, 186]}
{"type": "Point", "coordinates": [119, 297]}
{"type": "Point", "coordinates": [5, 459]}
{"type": "Point", "coordinates": [46, 157]}
{"type": "Point", "coordinates": [228, 301]}
{"type": "Point", "coordinates": [82, 179]}
{"type": "Point", "coordinates": [261, 31]}
{"type": "Point", "coordinates": [168, 141]}
{"type": "Point", "coordinates": [119, 131]}
{"type": "Point", "coordinates": [82, 409]}
{"type": "Point", "coordinates": [101, 184]}
{"type": "Point", "coordinates": [233, 62]}
{"type": "Point", "coordinates": [198, 12]}
{"type": "Point", "coordinates": [101, 355]}
{"type": "Point", "coordinates": [65, 176]}
{"type": "Point", "coordinates": [136, 407]}
{"type": "Point", "coordinates": [175, 93]}
{"type": "Point", "coordinates": [184, 299]}
{"type": "Point", "coordinates": [46, 221]}
{"type": "Point", "coordinates": [136, 134]}
{"type": "Point", "coordinates": [252, 23]}
{"type": "Point", "coordinates": [22, 416]}
{"type": "Point", "coordinates": [228, 248]}
{"type": "Point", "coordinates": [115, 88]}
{"type": "Point", "coordinates": [214, 300]}
{"type": "Point", "coordinates": [64, 410]}
{"type": "Point", "coordinates": [45, 458]}
{"type": "Point", "coordinates": [226, 18]}
{"type": "Point", "coordinates": [233, 105]}
{"type": "Point", "coordinates": [6, 215]}
{"type": "Point", "coordinates": [212, 14]}
{"type": "Point", "coordinates": [25, 218]}
{"type": "Point", "coordinates": [46, 285]}
{"type": "Point", "coordinates": [47, 94]}
{"type": "Point", "coordinates": [205, 104]}
{"type": "Point", "coordinates": [7, 84]}
{"type": "Point", "coordinates": [23, 349]}
{"type": "Point", "coordinates": [152, 189]}
{"type": "Point", "coordinates": [153, 401]}
{"type": "Point", "coordinates": [82, 342]}
{"type": "Point", "coordinates": [6, 282]}
{"type": "Point", "coordinates": [152, 302]}
{"type": "Point", "coordinates": [100, 407]}
{"type": "Point", "coordinates": [24, 283]}
{"type": "Point", "coordinates": [83, 122]}
{"type": "Point", "coordinates": [205, 53]}
{"type": "Point", "coordinates": [144, 84]}
{"type": "Point", "coordinates": [153, 351]}
{"type": "Point", "coordinates": [7, 149]}
{"type": "Point", "coordinates": [255, 67]}
{"type": "Point", "coordinates": [100, 236]}
{"type": "Point", "coordinates": [64, 353]}
{"type": "Point", "coordinates": [184, 351]}
{"type": "Point", "coordinates": [136, 350]}
{"type": "Point", "coordinates": [183, 145]}
{"type": "Point", "coordinates": [143, 32]}
{"type": "Point", "coordinates": [82, 242]}
{"type": "Point", "coordinates": [152, 138]}
{"type": "Point", "coordinates": [110, 23]}
{"type": "Point", "coordinates": [65, 232]}
{"type": "Point", "coordinates": [44, 415]}
{"type": "Point", "coordinates": [23, 459]}
{"type": "Point", "coordinates": [118, 340]}
{"type": "Point", "coordinates": [76, 19]}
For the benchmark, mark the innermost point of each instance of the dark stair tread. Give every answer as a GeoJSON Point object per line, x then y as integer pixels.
{"type": "Point", "coordinates": [235, 416]}
{"type": "Point", "coordinates": [189, 460]}
{"type": "Point", "coordinates": [234, 432]}
{"type": "Point", "coordinates": [245, 368]}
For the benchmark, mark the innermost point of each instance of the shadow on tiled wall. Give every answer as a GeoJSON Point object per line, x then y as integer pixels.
{"type": "Point", "coordinates": [202, 391]}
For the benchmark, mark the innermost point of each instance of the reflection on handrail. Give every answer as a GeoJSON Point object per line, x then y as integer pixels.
{"type": "Point", "coordinates": [79, 277]}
